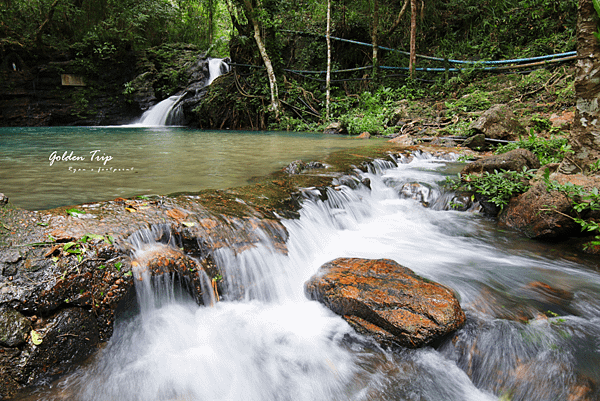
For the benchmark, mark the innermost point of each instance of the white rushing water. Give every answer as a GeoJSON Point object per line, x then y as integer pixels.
{"type": "Point", "coordinates": [216, 68]}
{"type": "Point", "coordinates": [160, 114]}
{"type": "Point", "coordinates": [276, 345]}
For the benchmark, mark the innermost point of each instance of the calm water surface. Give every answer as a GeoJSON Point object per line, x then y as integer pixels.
{"type": "Point", "coordinates": [129, 161]}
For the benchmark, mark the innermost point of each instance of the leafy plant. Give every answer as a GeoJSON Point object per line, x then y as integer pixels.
{"type": "Point", "coordinates": [476, 101]}
{"type": "Point", "coordinates": [74, 212]}
{"type": "Point", "coordinates": [551, 150]}
{"type": "Point", "coordinates": [497, 187]}
{"type": "Point", "coordinates": [583, 202]}
{"type": "Point", "coordinates": [597, 8]}
{"type": "Point", "coordinates": [540, 124]}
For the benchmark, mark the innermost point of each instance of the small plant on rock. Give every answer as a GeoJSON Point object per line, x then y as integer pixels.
{"type": "Point", "coordinates": [497, 187]}
{"type": "Point", "coordinates": [551, 150]}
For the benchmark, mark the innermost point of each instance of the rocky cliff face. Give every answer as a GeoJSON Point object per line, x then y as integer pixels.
{"type": "Point", "coordinates": [40, 91]}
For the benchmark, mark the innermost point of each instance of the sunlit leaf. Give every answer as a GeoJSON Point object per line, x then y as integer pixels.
{"type": "Point", "coordinates": [36, 338]}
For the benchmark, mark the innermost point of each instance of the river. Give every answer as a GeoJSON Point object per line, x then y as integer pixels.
{"type": "Point", "coordinates": [533, 313]}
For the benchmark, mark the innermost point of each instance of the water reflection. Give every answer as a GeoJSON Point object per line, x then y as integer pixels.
{"type": "Point", "coordinates": [144, 161]}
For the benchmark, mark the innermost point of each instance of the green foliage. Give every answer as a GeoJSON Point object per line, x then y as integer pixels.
{"type": "Point", "coordinates": [497, 187]}
{"type": "Point", "coordinates": [106, 28]}
{"type": "Point", "coordinates": [597, 8]}
{"type": "Point", "coordinates": [371, 112]}
{"type": "Point", "coordinates": [498, 29]}
{"type": "Point", "coordinates": [583, 202]}
{"type": "Point", "coordinates": [540, 124]}
{"type": "Point", "coordinates": [551, 150]}
{"type": "Point", "coordinates": [74, 212]}
{"type": "Point", "coordinates": [476, 101]}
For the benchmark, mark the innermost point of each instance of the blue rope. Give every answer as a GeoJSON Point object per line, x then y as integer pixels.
{"type": "Point", "coordinates": [513, 61]}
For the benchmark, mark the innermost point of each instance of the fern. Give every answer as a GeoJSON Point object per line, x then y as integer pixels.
{"type": "Point", "coordinates": [597, 7]}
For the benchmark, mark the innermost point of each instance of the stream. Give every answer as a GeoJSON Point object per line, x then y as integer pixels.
{"type": "Point", "coordinates": [533, 313]}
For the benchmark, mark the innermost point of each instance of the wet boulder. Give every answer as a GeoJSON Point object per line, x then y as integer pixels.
{"type": "Point", "coordinates": [14, 327]}
{"type": "Point", "coordinates": [299, 167]}
{"type": "Point", "coordinates": [475, 142]}
{"type": "Point", "coordinates": [405, 140]}
{"type": "Point", "coordinates": [387, 301]}
{"type": "Point", "coordinates": [336, 128]}
{"type": "Point", "coordinates": [160, 259]}
{"type": "Point", "coordinates": [498, 122]}
{"type": "Point", "coordinates": [515, 160]}
{"type": "Point", "coordinates": [546, 214]}
{"type": "Point", "coordinates": [68, 337]}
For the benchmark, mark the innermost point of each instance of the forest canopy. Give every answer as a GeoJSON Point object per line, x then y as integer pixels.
{"type": "Point", "coordinates": [474, 29]}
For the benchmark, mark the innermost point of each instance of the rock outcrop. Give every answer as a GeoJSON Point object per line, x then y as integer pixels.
{"type": "Point", "coordinates": [387, 301]}
{"type": "Point", "coordinates": [38, 95]}
{"type": "Point", "coordinates": [515, 160]}
{"type": "Point", "coordinates": [498, 122]}
{"type": "Point", "coordinates": [547, 214]}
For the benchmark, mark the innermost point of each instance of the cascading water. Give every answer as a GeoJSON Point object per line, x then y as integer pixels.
{"type": "Point", "coordinates": [216, 68]}
{"type": "Point", "coordinates": [274, 344]}
{"type": "Point", "coordinates": [163, 113]}
{"type": "Point", "coordinates": [169, 111]}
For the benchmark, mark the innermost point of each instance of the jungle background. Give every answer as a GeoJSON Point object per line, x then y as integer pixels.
{"type": "Point", "coordinates": [112, 43]}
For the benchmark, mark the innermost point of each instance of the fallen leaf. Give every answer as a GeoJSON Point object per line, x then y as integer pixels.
{"type": "Point", "coordinates": [36, 338]}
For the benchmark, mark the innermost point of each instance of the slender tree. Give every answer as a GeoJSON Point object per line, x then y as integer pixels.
{"type": "Point", "coordinates": [374, 38]}
{"type": "Point", "coordinates": [396, 23]}
{"type": "Point", "coordinates": [328, 75]}
{"type": "Point", "coordinates": [252, 16]}
{"type": "Point", "coordinates": [585, 133]}
{"type": "Point", "coordinates": [413, 37]}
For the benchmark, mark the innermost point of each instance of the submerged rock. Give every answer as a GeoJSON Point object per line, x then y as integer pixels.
{"type": "Point", "coordinates": [299, 167]}
{"type": "Point", "coordinates": [386, 300]}
{"type": "Point", "coordinates": [335, 128]}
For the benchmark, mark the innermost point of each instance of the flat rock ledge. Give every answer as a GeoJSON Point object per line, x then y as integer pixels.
{"type": "Point", "coordinates": [387, 301]}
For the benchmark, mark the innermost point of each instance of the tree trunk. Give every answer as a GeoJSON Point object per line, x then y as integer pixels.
{"type": "Point", "coordinates": [398, 20]}
{"type": "Point", "coordinates": [211, 6]}
{"type": "Point", "coordinates": [374, 39]}
{"type": "Point", "coordinates": [585, 133]}
{"type": "Point", "coordinates": [265, 56]}
{"type": "Point", "coordinates": [42, 27]}
{"type": "Point", "coordinates": [413, 37]}
{"type": "Point", "coordinates": [328, 76]}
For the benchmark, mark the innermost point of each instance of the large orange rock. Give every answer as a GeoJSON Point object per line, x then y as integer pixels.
{"type": "Point", "coordinates": [386, 300]}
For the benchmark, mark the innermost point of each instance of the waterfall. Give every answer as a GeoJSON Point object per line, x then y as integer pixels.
{"type": "Point", "coordinates": [275, 345]}
{"type": "Point", "coordinates": [169, 111]}
{"type": "Point", "coordinates": [216, 68]}
{"type": "Point", "coordinates": [164, 113]}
